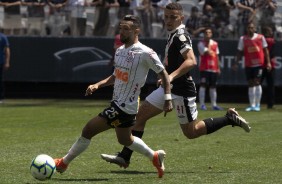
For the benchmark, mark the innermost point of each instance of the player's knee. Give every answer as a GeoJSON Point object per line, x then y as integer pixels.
{"type": "Point", "coordinates": [87, 133]}
{"type": "Point", "coordinates": [193, 130]}
{"type": "Point", "coordinates": [257, 82]}
{"type": "Point", "coordinates": [189, 134]}
{"type": "Point", "coordinates": [203, 85]}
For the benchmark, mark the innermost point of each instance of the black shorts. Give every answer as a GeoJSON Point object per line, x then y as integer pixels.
{"type": "Point", "coordinates": [208, 78]}
{"type": "Point", "coordinates": [253, 72]}
{"type": "Point", "coordinates": [117, 118]}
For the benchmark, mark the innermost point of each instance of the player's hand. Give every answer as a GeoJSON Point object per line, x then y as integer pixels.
{"type": "Point", "coordinates": [91, 89]}
{"type": "Point", "coordinates": [235, 67]}
{"type": "Point", "coordinates": [6, 66]}
{"type": "Point", "coordinates": [268, 67]}
{"type": "Point", "coordinates": [160, 83]}
{"type": "Point", "coordinates": [167, 107]}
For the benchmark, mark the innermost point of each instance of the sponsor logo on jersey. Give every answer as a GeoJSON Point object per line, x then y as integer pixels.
{"type": "Point", "coordinates": [121, 75]}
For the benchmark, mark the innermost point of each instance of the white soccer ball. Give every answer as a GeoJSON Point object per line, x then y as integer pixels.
{"type": "Point", "coordinates": [42, 167]}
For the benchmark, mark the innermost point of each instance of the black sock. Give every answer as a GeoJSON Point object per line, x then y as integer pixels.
{"type": "Point", "coordinates": [126, 152]}
{"type": "Point", "coordinates": [214, 124]}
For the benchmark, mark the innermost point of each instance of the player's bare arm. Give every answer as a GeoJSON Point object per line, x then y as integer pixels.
{"type": "Point", "coordinates": [238, 58]}
{"type": "Point", "coordinates": [7, 60]}
{"type": "Point", "coordinates": [268, 64]}
{"type": "Point", "coordinates": [163, 75]}
{"type": "Point", "coordinates": [218, 64]}
{"type": "Point", "coordinates": [188, 64]}
{"type": "Point", "coordinates": [106, 82]}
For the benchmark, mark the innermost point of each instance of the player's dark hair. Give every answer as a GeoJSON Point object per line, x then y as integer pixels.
{"type": "Point", "coordinates": [174, 6]}
{"type": "Point", "coordinates": [136, 20]}
{"type": "Point", "coordinates": [207, 28]}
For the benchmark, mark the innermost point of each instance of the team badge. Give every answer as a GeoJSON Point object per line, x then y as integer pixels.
{"type": "Point", "coordinates": [182, 38]}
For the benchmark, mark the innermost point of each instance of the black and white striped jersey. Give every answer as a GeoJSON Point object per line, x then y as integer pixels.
{"type": "Point", "coordinates": [178, 42]}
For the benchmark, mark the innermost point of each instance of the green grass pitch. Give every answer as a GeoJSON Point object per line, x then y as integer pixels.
{"type": "Point", "coordinates": [229, 156]}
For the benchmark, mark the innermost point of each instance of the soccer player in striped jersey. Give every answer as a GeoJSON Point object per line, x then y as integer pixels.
{"type": "Point", "coordinates": [132, 63]}
{"type": "Point", "coordinates": [179, 60]}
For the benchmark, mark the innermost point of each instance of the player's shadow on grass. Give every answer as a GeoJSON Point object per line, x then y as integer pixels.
{"type": "Point", "coordinates": [80, 180]}
{"type": "Point", "coordinates": [133, 172]}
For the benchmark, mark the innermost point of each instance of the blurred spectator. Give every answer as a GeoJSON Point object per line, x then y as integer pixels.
{"type": "Point", "coordinates": [161, 4]}
{"type": "Point", "coordinates": [124, 8]}
{"type": "Point", "coordinates": [35, 16]}
{"type": "Point", "coordinates": [219, 12]}
{"type": "Point", "coordinates": [113, 16]}
{"type": "Point", "coordinates": [134, 4]}
{"type": "Point", "coordinates": [57, 24]}
{"type": "Point", "coordinates": [4, 61]}
{"type": "Point", "coordinates": [246, 15]}
{"type": "Point", "coordinates": [269, 75]}
{"type": "Point", "coordinates": [12, 24]}
{"type": "Point", "coordinates": [145, 10]}
{"type": "Point", "coordinates": [77, 17]}
{"type": "Point", "coordinates": [102, 25]}
{"type": "Point", "coordinates": [194, 23]}
{"type": "Point", "coordinates": [219, 8]}
{"type": "Point", "coordinates": [92, 16]}
{"type": "Point", "coordinates": [158, 7]}
{"type": "Point", "coordinates": [266, 10]}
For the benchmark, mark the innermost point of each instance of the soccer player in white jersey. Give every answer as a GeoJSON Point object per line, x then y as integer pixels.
{"type": "Point", "coordinates": [132, 63]}
{"type": "Point", "coordinates": [180, 59]}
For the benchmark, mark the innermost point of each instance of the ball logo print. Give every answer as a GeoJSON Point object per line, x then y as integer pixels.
{"type": "Point", "coordinates": [42, 167]}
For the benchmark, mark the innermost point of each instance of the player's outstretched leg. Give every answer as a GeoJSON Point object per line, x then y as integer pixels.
{"type": "Point", "coordinates": [116, 159]}
{"type": "Point", "coordinates": [237, 119]}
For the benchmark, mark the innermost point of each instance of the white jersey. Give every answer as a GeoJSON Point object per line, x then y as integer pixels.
{"type": "Point", "coordinates": [132, 65]}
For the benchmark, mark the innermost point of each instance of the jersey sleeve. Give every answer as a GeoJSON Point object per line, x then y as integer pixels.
{"type": "Point", "coordinates": [5, 41]}
{"type": "Point", "coordinates": [153, 61]}
{"type": "Point", "coordinates": [183, 41]}
{"type": "Point", "coordinates": [240, 44]}
{"type": "Point", "coordinates": [264, 43]}
{"type": "Point", "coordinates": [201, 47]}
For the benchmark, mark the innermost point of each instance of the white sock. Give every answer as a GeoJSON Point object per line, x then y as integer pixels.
{"type": "Point", "coordinates": [77, 148]}
{"type": "Point", "coordinates": [258, 94]}
{"type": "Point", "coordinates": [202, 94]}
{"type": "Point", "coordinates": [213, 96]}
{"type": "Point", "coordinates": [252, 96]}
{"type": "Point", "coordinates": [139, 146]}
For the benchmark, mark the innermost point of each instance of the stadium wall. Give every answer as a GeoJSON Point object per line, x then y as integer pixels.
{"type": "Point", "coordinates": [40, 66]}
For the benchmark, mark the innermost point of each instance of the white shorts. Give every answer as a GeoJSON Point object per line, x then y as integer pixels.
{"type": "Point", "coordinates": [185, 107]}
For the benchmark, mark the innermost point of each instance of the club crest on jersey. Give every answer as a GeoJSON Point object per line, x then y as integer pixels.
{"type": "Point", "coordinates": [130, 57]}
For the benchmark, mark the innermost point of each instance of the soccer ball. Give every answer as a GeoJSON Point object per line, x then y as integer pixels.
{"type": "Point", "coordinates": [42, 167]}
